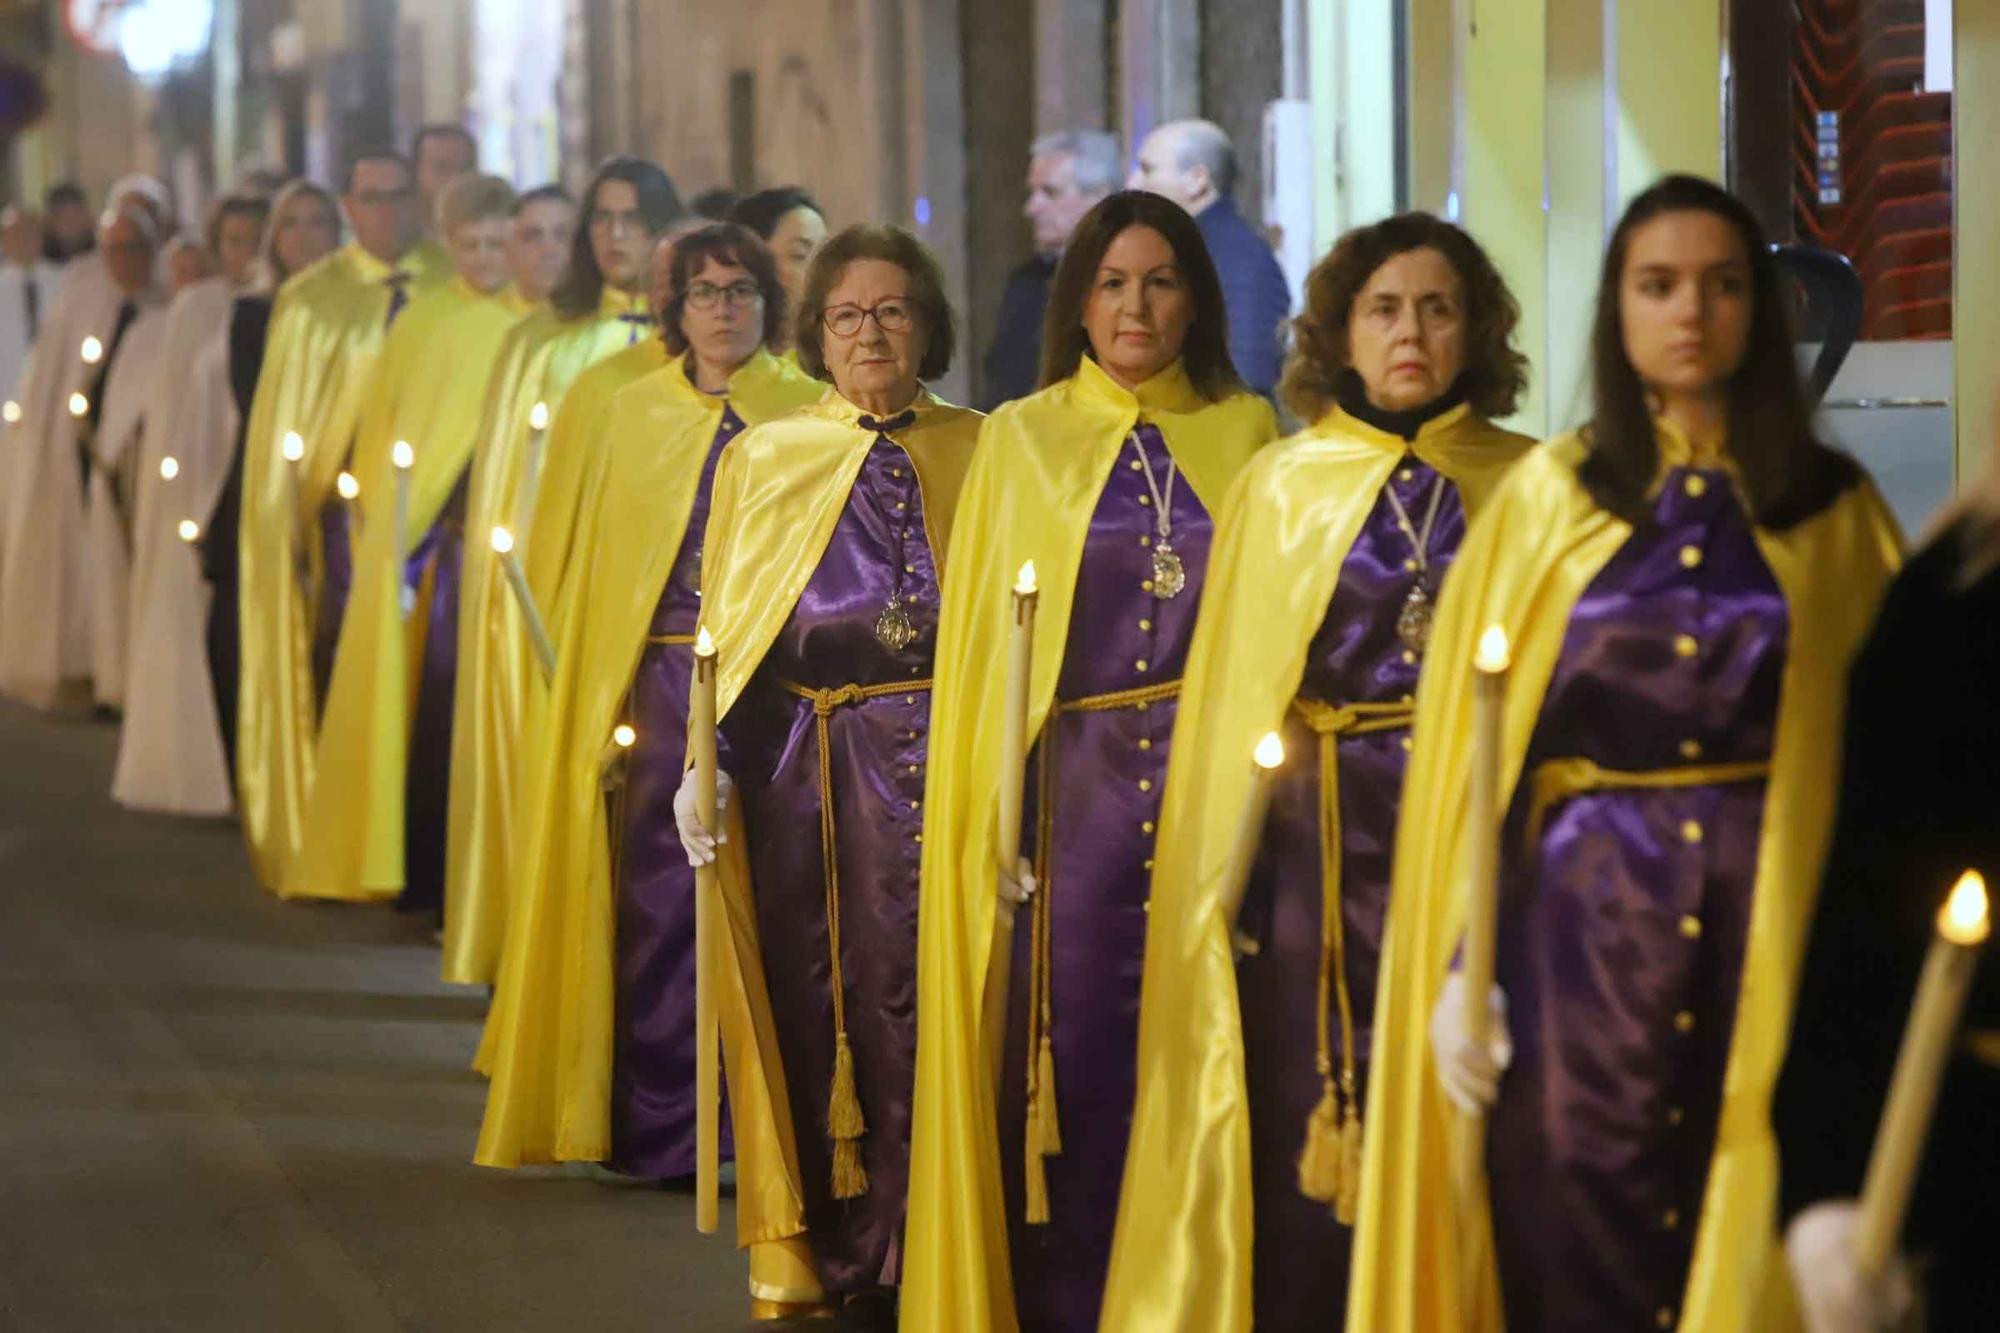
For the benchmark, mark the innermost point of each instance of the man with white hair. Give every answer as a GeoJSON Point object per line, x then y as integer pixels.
{"type": "Point", "coordinates": [62, 578]}
{"type": "Point", "coordinates": [1193, 163]}
{"type": "Point", "coordinates": [1068, 172]}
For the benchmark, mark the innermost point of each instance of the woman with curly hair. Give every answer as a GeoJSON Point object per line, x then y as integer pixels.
{"type": "Point", "coordinates": [1327, 560]}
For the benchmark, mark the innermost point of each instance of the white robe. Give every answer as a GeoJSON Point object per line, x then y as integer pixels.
{"type": "Point", "coordinates": [170, 755]}
{"type": "Point", "coordinates": [15, 346]}
{"type": "Point", "coordinates": [44, 608]}
{"type": "Point", "coordinates": [108, 523]}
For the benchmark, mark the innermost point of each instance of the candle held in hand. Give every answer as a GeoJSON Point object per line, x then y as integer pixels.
{"type": "Point", "coordinates": [1963, 925]}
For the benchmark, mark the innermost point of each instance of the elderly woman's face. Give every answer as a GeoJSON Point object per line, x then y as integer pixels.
{"type": "Point", "coordinates": [872, 336]}
{"type": "Point", "coordinates": [1139, 309]}
{"type": "Point", "coordinates": [1406, 330]}
{"type": "Point", "coordinates": [722, 315]}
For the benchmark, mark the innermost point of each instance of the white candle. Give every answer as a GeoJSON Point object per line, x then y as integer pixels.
{"type": "Point", "coordinates": [1962, 927]}
{"type": "Point", "coordinates": [1265, 761]}
{"type": "Point", "coordinates": [531, 468]}
{"type": "Point", "coordinates": [531, 615]}
{"type": "Point", "coordinates": [707, 1055]}
{"type": "Point", "coordinates": [1025, 597]}
{"type": "Point", "coordinates": [404, 458]}
{"type": "Point", "coordinates": [1490, 664]}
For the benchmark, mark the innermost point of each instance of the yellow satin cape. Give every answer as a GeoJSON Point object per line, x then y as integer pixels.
{"type": "Point", "coordinates": [426, 390]}
{"type": "Point", "coordinates": [1042, 464]}
{"type": "Point", "coordinates": [1524, 563]}
{"type": "Point", "coordinates": [578, 429]}
{"type": "Point", "coordinates": [1182, 1255]}
{"type": "Point", "coordinates": [326, 331]}
{"type": "Point", "coordinates": [540, 358]}
{"type": "Point", "coordinates": [552, 1024]}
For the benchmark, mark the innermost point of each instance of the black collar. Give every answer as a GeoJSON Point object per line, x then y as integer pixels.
{"type": "Point", "coordinates": [1404, 424]}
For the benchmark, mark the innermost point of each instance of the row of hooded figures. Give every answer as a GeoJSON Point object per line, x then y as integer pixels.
{"type": "Point", "coordinates": [1103, 789]}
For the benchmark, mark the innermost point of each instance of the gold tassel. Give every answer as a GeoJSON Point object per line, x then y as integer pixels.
{"type": "Point", "coordinates": [845, 1125]}
{"type": "Point", "coordinates": [1346, 1204]}
{"type": "Point", "coordinates": [1045, 1098]}
{"type": "Point", "coordinates": [1321, 1162]}
{"type": "Point", "coordinates": [1036, 1184]}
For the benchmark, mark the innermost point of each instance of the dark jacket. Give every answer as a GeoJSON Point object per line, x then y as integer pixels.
{"type": "Point", "coordinates": [1919, 804]}
{"type": "Point", "coordinates": [1253, 286]}
{"type": "Point", "coordinates": [1013, 363]}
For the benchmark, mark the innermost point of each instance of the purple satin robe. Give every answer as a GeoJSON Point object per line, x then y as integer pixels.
{"type": "Point", "coordinates": [1111, 770]}
{"type": "Point", "coordinates": [878, 748]}
{"type": "Point", "coordinates": [1623, 927]}
{"type": "Point", "coordinates": [652, 1067]}
{"type": "Point", "coordinates": [336, 578]}
{"type": "Point", "coordinates": [439, 557]}
{"type": "Point", "coordinates": [1300, 1266]}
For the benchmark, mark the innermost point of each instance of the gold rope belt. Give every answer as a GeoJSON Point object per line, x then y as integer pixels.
{"type": "Point", "coordinates": [670, 640]}
{"type": "Point", "coordinates": [1330, 1165]}
{"type": "Point", "coordinates": [1044, 1128]}
{"type": "Point", "coordinates": [1558, 780]}
{"type": "Point", "coordinates": [844, 1122]}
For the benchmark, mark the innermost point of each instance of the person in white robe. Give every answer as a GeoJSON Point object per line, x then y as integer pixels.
{"type": "Point", "coordinates": [170, 753]}
{"type": "Point", "coordinates": [46, 649]}
{"type": "Point", "coordinates": [28, 283]}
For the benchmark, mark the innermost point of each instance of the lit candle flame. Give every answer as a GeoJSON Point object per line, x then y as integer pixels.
{"type": "Point", "coordinates": [1024, 583]}
{"type": "Point", "coordinates": [704, 643]}
{"type": "Point", "coordinates": [624, 736]}
{"type": "Point", "coordinates": [78, 405]}
{"type": "Point", "coordinates": [403, 456]}
{"type": "Point", "coordinates": [1270, 752]}
{"type": "Point", "coordinates": [170, 467]}
{"type": "Point", "coordinates": [1493, 655]}
{"type": "Point", "coordinates": [11, 413]}
{"type": "Point", "coordinates": [189, 529]}
{"type": "Point", "coordinates": [294, 446]}
{"type": "Point", "coordinates": [538, 417]}
{"type": "Point", "coordinates": [93, 351]}
{"type": "Point", "coordinates": [503, 540]}
{"type": "Point", "coordinates": [348, 487]}
{"type": "Point", "coordinates": [1965, 919]}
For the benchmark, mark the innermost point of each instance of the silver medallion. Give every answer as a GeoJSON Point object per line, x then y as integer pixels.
{"type": "Point", "coordinates": [1413, 624]}
{"type": "Point", "coordinates": [1169, 574]}
{"type": "Point", "coordinates": [893, 628]}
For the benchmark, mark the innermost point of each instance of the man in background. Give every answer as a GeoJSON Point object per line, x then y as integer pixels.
{"type": "Point", "coordinates": [1068, 172]}
{"type": "Point", "coordinates": [27, 290]}
{"type": "Point", "coordinates": [72, 230]}
{"type": "Point", "coordinates": [1193, 163]}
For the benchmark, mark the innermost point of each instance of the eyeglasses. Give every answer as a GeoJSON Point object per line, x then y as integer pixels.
{"type": "Point", "coordinates": [611, 223]}
{"type": "Point", "coordinates": [706, 295]}
{"type": "Point", "coordinates": [891, 316]}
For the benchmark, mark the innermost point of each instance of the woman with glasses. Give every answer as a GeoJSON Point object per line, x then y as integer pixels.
{"type": "Point", "coordinates": [1683, 584]}
{"type": "Point", "coordinates": [1104, 480]}
{"type": "Point", "coordinates": [599, 309]}
{"type": "Point", "coordinates": [600, 971]}
{"type": "Point", "coordinates": [1327, 565]}
{"type": "Point", "coordinates": [820, 583]}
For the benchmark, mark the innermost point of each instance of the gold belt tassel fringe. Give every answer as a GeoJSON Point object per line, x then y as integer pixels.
{"type": "Point", "coordinates": [845, 1123]}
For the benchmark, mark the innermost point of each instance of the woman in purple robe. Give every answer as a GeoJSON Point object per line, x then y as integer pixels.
{"type": "Point", "coordinates": [820, 584]}
{"type": "Point", "coordinates": [1104, 480]}
{"type": "Point", "coordinates": [1328, 558]}
{"type": "Point", "coordinates": [1683, 584]}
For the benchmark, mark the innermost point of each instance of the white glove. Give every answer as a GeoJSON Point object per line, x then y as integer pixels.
{"type": "Point", "coordinates": [1019, 887]}
{"type": "Point", "coordinates": [696, 841]}
{"type": "Point", "coordinates": [1834, 1296]}
{"type": "Point", "coordinates": [1471, 1077]}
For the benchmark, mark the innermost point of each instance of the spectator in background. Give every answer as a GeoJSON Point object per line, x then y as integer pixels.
{"type": "Point", "coordinates": [1068, 172]}
{"type": "Point", "coordinates": [538, 248]}
{"type": "Point", "coordinates": [793, 226]}
{"type": "Point", "coordinates": [188, 262]}
{"type": "Point", "coordinates": [1193, 163]}
{"type": "Point", "coordinates": [27, 287]}
{"type": "Point", "coordinates": [715, 205]}
{"type": "Point", "coordinates": [442, 153]}
{"type": "Point", "coordinates": [72, 228]}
